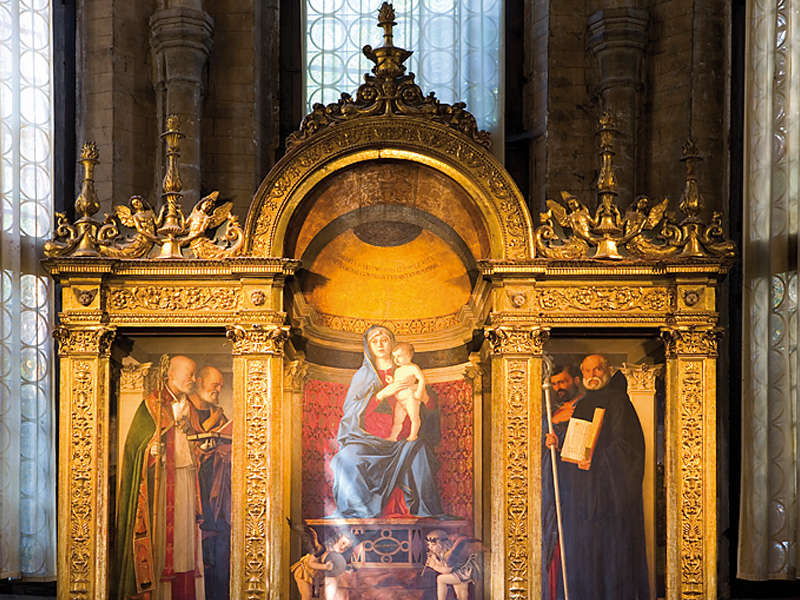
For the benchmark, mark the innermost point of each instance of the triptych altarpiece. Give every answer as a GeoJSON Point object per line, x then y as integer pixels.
{"type": "Point", "coordinates": [282, 344]}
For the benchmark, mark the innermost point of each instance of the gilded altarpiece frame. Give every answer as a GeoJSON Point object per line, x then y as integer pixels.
{"type": "Point", "coordinates": [576, 273]}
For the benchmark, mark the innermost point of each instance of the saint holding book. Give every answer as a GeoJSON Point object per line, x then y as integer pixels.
{"type": "Point", "coordinates": [600, 476]}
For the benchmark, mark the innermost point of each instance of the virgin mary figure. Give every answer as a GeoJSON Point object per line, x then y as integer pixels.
{"type": "Point", "coordinates": [372, 475]}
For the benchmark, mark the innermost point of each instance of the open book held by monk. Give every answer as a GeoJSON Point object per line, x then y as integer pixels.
{"type": "Point", "coordinates": [581, 438]}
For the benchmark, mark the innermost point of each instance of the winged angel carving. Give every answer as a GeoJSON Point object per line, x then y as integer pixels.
{"type": "Point", "coordinates": [606, 225]}
{"type": "Point", "coordinates": [204, 217]}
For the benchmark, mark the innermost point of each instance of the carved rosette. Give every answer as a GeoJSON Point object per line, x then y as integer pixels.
{"type": "Point", "coordinates": [258, 339]}
{"type": "Point", "coordinates": [92, 340]}
{"type": "Point", "coordinates": [681, 341]}
{"type": "Point", "coordinates": [517, 479]}
{"type": "Point", "coordinates": [510, 340]}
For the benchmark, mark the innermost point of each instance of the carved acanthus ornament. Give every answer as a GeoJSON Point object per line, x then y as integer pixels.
{"type": "Point", "coordinates": [389, 92]}
{"type": "Point", "coordinates": [505, 339]}
{"type": "Point", "coordinates": [90, 340]}
{"type": "Point", "coordinates": [168, 298]}
{"type": "Point", "coordinates": [697, 341]}
{"type": "Point", "coordinates": [604, 298]}
{"type": "Point", "coordinates": [168, 229]}
{"type": "Point", "coordinates": [258, 338]}
{"type": "Point", "coordinates": [636, 234]}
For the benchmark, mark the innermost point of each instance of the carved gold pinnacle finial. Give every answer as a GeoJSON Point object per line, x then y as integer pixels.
{"type": "Point", "coordinates": [691, 201]}
{"type": "Point", "coordinates": [172, 225]}
{"type": "Point", "coordinates": [386, 20]}
{"type": "Point", "coordinates": [388, 58]}
{"type": "Point", "coordinates": [86, 204]}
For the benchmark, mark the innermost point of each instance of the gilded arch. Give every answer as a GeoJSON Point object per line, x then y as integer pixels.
{"type": "Point", "coordinates": [415, 139]}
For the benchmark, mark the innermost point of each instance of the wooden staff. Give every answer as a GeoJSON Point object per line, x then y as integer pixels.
{"type": "Point", "coordinates": [547, 387]}
{"type": "Point", "coordinates": [162, 373]}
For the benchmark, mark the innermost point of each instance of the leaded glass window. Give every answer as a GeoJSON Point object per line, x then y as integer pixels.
{"type": "Point", "coordinates": [456, 46]}
{"type": "Point", "coordinates": [27, 474]}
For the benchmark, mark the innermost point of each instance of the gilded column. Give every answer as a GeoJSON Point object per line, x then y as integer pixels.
{"type": "Point", "coordinates": [83, 458]}
{"type": "Point", "coordinates": [516, 355]}
{"type": "Point", "coordinates": [690, 461]}
{"type": "Point", "coordinates": [261, 500]}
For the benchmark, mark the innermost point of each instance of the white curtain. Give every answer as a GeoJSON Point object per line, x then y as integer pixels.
{"type": "Point", "coordinates": [456, 44]}
{"type": "Point", "coordinates": [769, 523]}
{"type": "Point", "coordinates": [27, 432]}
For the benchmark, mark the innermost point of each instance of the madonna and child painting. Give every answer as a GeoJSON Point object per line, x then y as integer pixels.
{"type": "Point", "coordinates": [396, 454]}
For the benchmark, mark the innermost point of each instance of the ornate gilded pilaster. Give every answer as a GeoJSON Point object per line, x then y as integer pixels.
{"type": "Point", "coordinates": [295, 376]}
{"type": "Point", "coordinates": [260, 498]}
{"type": "Point", "coordinates": [690, 461]}
{"type": "Point", "coordinates": [476, 372]}
{"type": "Point", "coordinates": [516, 353]}
{"type": "Point", "coordinates": [84, 451]}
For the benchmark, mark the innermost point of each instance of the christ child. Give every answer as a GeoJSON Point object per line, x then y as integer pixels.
{"type": "Point", "coordinates": [408, 398]}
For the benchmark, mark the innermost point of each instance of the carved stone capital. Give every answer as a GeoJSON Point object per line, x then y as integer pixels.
{"type": "Point", "coordinates": [295, 373]}
{"type": "Point", "coordinates": [696, 341]}
{"type": "Point", "coordinates": [92, 340]}
{"type": "Point", "coordinates": [510, 340]}
{"type": "Point", "coordinates": [475, 370]}
{"type": "Point", "coordinates": [258, 339]}
{"type": "Point", "coordinates": [133, 377]}
{"type": "Point", "coordinates": [641, 377]}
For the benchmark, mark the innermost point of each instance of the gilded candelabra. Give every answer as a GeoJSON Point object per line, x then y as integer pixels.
{"type": "Point", "coordinates": [169, 229]}
{"type": "Point", "coordinates": [646, 231]}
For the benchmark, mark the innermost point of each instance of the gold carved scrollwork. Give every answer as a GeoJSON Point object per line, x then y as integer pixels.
{"type": "Point", "coordinates": [173, 298]}
{"type": "Point", "coordinates": [399, 326]}
{"type": "Point", "coordinates": [93, 340]}
{"type": "Point", "coordinates": [258, 339]}
{"type": "Point", "coordinates": [517, 478]}
{"type": "Point", "coordinates": [509, 340]}
{"type": "Point", "coordinates": [691, 340]}
{"type": "Point", "coordinates": [691, 451]}
{"type": "Point", "coordinates": [81, 477]}
{"type": "Point", "coordinates": [604, 298]}
{"type": "Point", "coordinates": [256, 478]}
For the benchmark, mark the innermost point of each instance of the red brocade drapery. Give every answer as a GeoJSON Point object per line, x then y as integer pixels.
{"type": "Point", "coordinates": [322, 411]}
